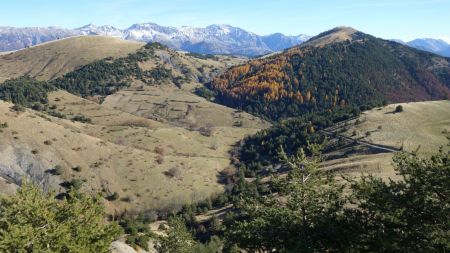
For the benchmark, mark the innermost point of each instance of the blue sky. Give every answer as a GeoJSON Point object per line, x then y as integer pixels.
{"type": "Point", "coordinates": [403, 19]}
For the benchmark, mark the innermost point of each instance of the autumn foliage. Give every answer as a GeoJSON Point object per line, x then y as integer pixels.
{"type": "Point", "coordinates": [306, 79]}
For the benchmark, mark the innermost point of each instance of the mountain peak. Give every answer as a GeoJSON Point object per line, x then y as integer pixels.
{"type": "Point", "coordinates": [344, 29]}
{"type": "Point", "coordinates": [437, 46]}
{"type": "Point", "coordinates": [88, 26]}
{"type": "Point", "coordinates": [335, 35]}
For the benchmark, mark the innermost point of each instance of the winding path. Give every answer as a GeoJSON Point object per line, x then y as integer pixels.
{"type": "Point", "coordinates": [364, 143]}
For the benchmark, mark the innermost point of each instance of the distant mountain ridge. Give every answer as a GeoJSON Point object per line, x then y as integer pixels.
{"type": "Point", "coordinates": [436, 46]}
{"type": "Point", "coordinates": [213, 39]}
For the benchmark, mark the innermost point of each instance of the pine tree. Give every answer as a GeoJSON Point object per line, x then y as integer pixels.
{"type": "Point", "coordinates": [305, 215]}
{"type": "Point", "coordinates": [178, 239]}
{"type": "Point", "coordinates": [33, 221]}
{"type": "Point", "coordinates": [407, 215]}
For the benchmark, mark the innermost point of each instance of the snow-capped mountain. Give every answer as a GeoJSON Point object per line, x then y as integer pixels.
{"type": "Point", "coordinates": [213, 39]}
{"type": "Point", "coordinates": [436, 46]}
{"type": "Point", "coordinates": [106, 30]}
{"type": "Point", "coordinates": [279, 41]}
{"type": "Point", "coordinates": [12, 38]}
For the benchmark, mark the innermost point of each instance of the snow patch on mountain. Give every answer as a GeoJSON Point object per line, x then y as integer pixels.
{"type": "Point", "coordinates": [213, 39]}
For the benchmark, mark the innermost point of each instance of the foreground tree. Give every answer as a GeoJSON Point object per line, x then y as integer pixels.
{"type": "Point", "coordinates": [408, 215]}
{"type": "Point", "coordinates": [306, 214]}
{"type": "Point", "coordinates": [33, 221]}
{"type": "Point", "coordinates": [308, 211]}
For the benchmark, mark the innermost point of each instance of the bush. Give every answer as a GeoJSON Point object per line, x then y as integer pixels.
{"type": "Point", "coordinates": [76, 184]}
{"type": "Point", "coordinates": [399, 108]}
{"type": "Point", "coordinates": [48, 142]}
{"type": "Point", "coordinates": [205, 92]}
{"type": "Point", "coordinates": [174, 172]}
{"type": "Point", "coordinates": [140, 240]}
{"type": "Point", "coordinates": [162, 227]}
{"type": "Point", "coordinates": [58, 170]}
{"type": "Point", "coordinates": [82, 119]}
{"type": "Point", "coordinates": [114, 196]}
{"type": "Point", "coordinates": [138, 232]}
{"type": "Point", "coordinates": [77, 169]}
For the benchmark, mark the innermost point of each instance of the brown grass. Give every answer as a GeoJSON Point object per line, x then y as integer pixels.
{"type": "Point", "coordinates": [53, 59]}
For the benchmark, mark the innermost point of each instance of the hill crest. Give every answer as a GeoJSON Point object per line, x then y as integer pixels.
{"type": "Point", "coordinates": [56, 58]}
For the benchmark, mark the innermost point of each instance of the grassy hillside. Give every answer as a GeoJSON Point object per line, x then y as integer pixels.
{"type": "Point", "coordinates": [423, 124]}
{"type": "Point", "coordinates": [150, 165]}
{"type": "Point", "coordinates": [54, 59]}
{"type": "Point", "coordinates": [334, 69]}
{"type": "Point", "coordinates": [152, 140]}
{"type": "Point", "coordinates": [364, 144]}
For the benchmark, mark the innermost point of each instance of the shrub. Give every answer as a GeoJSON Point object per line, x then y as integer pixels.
{"type": "Point", "coordinates": [399, 108]}
{"type": "Point", "coordinates": [113, 197]}
{"type": "Point", "coordinates": [174, 172]}
{"type": "Point", "coordinates": [48, 142]}
{"type": "Point", "coordinates": [82, 119]}
{"type": "Point", "coordinates": [76, 184]}
{"type": "Point", "coordinates": [138, 232]}
{"type": "Point", "coordinates": [205, 92]}
{"type": "Point", "coordinates": [58, 170]}
{"type": "Point", "coordinates": [162, 227]}
{"type": "Point", "coordinates": [77, 168]}
{"type": "Point", "coordinates": [140, 240]}
{"type": "Point", "coordinates": [57, 114]}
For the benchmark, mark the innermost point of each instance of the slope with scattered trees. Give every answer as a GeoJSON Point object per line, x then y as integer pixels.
{"type": "Point", "coordinates": [358, 70]}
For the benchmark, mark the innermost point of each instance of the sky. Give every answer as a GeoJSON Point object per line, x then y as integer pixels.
{"type": "Point", "coordinates": [389, 19]}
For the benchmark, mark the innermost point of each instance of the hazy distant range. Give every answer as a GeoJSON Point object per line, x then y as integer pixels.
{"type": "Point", "coordinates": [213, 39]}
